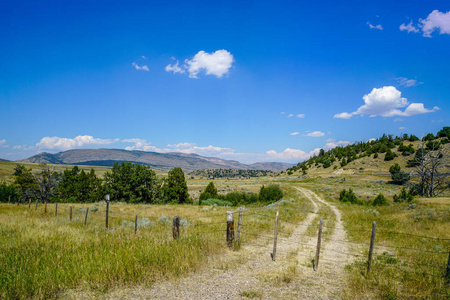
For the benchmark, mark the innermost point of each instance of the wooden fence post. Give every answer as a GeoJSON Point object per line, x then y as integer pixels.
{"type": "Point", "coordinates": [56, 210]}
{"type": "Point", "coordinates": [70, 216]}
{"type": "Point", "coordinates": [239, 226]}
{"type": "Point", "coordinates": [36, 204]}
{"type": "Point", "coordinates": [29, 203]}
{"type": "Point", "coordinates": [107, 211]}
{"type": "Point", "coordinates": [176, 227]}
{"type": "Point", "coordinates": [275, 238]}
{"type": "Point", "coordinates": [45, 207]}
{"type": "Point", "coordinates": [319, 241]}
{"type": "Point", "coordinates": [85, 218]}
{"type": "Point", "coordinates": [135, 225]}
{"type": "Point", "coordinates": [372, 242]}
{"type": "Point", "coordinates": [230, 228]}
{"type": "Point", "coordinates": [447, 274]}
{"type": "Point", "coordinates": [9, 199]}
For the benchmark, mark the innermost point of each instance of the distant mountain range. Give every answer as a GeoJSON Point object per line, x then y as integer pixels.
{"type": "Point", "coordinates": [161, 161]}
{"type": "Point", "coordinates": [5, 160]}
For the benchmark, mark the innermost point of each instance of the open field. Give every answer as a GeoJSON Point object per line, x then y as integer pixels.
{"type": "Point", "coordinates": [43, 256]}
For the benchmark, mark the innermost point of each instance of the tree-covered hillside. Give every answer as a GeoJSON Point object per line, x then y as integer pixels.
{"type": "Point", "coordinates": [387, 146]}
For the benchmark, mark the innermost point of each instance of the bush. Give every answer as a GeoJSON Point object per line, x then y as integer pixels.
{"type": "Point", "coordinates": [270, 194]}
{"type": "Point", "coordinates": [375, 155]}
{"type": "Point", "coordinates": [349, 196]}
{"type": "Point", "coordinates": [217, 202]}
{"type": "Point", "coordinates": [380, 200]}
{"type": "Point", "coordinates": [8, 192]}
{"type": "Point", "coordinates": [398, 176]}
{"type": "Point", "coordinates": [404, 196]}
{"type": "Point", "coordinates": [326, 163]}
{"type": "Point", "coordinates": [237, 198]}
{"type": "Point", "coordinates": [209, 192]}
{"type": "Point", "coordinates": [389, 155]}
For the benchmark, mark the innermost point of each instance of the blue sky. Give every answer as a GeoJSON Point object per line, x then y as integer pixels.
{"type": "Point", "coordinates": [244, 80]}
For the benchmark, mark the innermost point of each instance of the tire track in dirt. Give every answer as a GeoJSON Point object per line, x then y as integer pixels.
{"type": "Point", "coordinates": [254, 271]}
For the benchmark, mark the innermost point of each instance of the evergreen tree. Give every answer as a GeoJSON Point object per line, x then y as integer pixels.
{"type": "Point", "coordinates": [176, 190]}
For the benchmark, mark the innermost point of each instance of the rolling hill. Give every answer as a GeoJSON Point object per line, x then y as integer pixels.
{"type": "Point", "coordinates": [162, 161]}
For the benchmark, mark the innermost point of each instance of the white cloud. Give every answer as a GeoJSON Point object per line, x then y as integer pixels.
{"type": "Point", "coordinates": [301, 116]}
{"type": "Point", "coordinates": [142, 68]}
{"type": "Point", "coordinates": [289, 154]}
{"type": "Point", "coordinates": [294, 133]}
{"type": "Point", "coordinates": [399, 120]}
{"type": "Point", "coordinates": [332, 144]}
{"type": "Point", "coordinates": [282, 113]}
{"type": "Point", "coordinates": [375, 26]}
{"type": "Point", "coordinates": [407, 82]}
{"type": "Point", "coordinates": [330, 140]}
{"type": "Point", "coordinates": [175, 68]}
{"type": "Point", "coordinates": [215, 63]}
{"type": "Point", "coordinates": [386, 102]}
{"type": "Point", "coordinates": [315, 134]}
{"type": "Point", "coordinates": [401, 128]}
{"type": "Point", "coordinates": [372, 140]}
{"type": "Point", "coordinates": [436, 20]}
{"type": "Point", "coordinates": [343, 115]}
{"type": "Point", "coordinates": [410, 28]}
{"type": "Point", "coordinates": [58, 143]}
{"type": "Point", "coordinates": [290, 115]}
{"type": "Point", "coordinates": [3, 144]}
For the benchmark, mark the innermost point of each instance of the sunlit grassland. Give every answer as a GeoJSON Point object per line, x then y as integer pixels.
{"type": "Point", "coordinates": [43, 255]}
{"type": "Point", "coordinates": [399, 270]}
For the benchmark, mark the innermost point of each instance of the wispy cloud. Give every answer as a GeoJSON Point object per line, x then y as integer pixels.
{"type": "Point", "coordinates": [3, 144]}
{"type": "Point", "coordinates": [294, 133]}
{"type": "Point", "coordinates": [436, 20]}
{"type": "Point", "coordinates": [403, 81]}
{"type": "Point", "coordinates": [141, 68]}
{"type": "Point", "coordinates": [379, 27]}
{"type": "Point", "coordinates": [301, 116]}
{"type": "Point", "coordinates": [315, 134]}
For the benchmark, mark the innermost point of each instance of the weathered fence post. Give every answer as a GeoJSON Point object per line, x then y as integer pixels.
{"type": "Point", "coordinates": [372, 242]}
{"type": "Point", "coordinates": [85, 218]}
{"type": "Point", "coordinates": [9, 199]}
{"type": "Point", "coordinates": [107, 209]}
{"type": "Point", "coordinates": [230, 228]}
{"type": "Point", "coordinates": [447, 274]}
{"type": "Point", "coordinates": [135, 225]}
{"type": "Point", "coordinates": [45, 207]}
{"type": "Point", "coordinates": [319, 241]}
{"type": "Point", "coordinates": [239, 226]}
{"type": "Point", "coordinates": [275, 238]}
{"type": "Point", "coordinates": [36, 204]}
{"type": "Point", "coordinates": [176, 227]}
{"type": "Point", "coordinates": [70, 216]}
{"type": "Point", "coordinates": [56, 209]}
{"type": "Point", "coordinates": [29, 203]}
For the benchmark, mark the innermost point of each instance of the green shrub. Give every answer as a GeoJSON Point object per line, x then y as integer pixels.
{"type": "Point", "coordinates": [375, 155]}
{"type": "Point", "coordinates": [404, 196]}
{"type": "Point", "coordinates": [380, 200]}
{"type": "Point", "coordinates": [348, 196]}
{"type": "Point", "coordinates": [217, 202]}
{"type": "Point", "coordinates": [237, 198]}
{"type": "Point", "coordinates": [270, 194]}
{"type": "Point", "coordinates": [8, 192]}
{"type": "Point", "coordinates": [209, 192]}
{"type": "Point", "coordinates": [389, 155]}
{"type": "Point", "coordinates": [398, 176]}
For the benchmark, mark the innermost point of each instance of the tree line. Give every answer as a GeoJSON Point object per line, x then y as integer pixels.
{"type": "Point", "coordinates": [125, 182]}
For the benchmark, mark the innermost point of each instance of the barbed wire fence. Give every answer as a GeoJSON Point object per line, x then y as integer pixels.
{"type": "Point", "coordinates": [428, 262]}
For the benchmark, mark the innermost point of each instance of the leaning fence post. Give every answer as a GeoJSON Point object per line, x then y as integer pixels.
{"type": "Point", "coordinates": [56, 210]}
{"type": "Point", "coordinates": [176, 227]}
{"type": "Point", "coordinates": [319, 241]}
{"type": "Point", "coordinates": [372, 242]}
{"type": "Point", "coordinates": [275, 238]}
{"type": "Point", "coordinates": [70, 216]}
{"type": "Point", "coordinates": [85, 218]}
{"type": "Point", "coordinates": [135, 225]}
{"type": "Point", "coordinates": [230, 228]}
{"type": "Point", "coordinates": [239, 226]}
